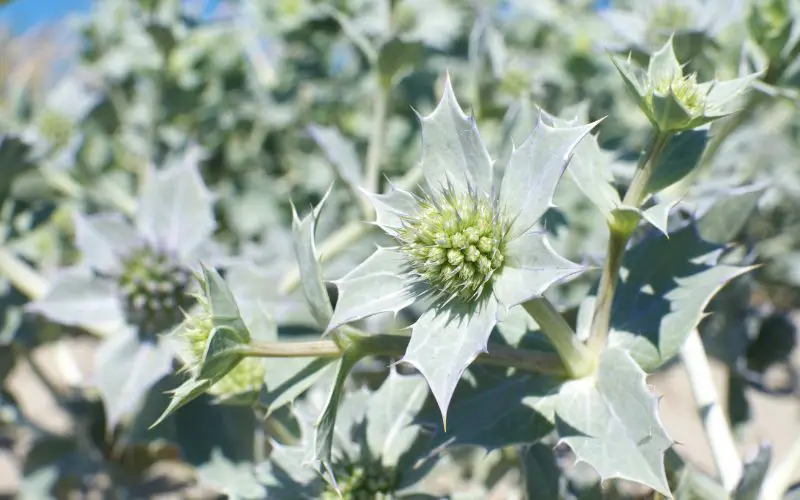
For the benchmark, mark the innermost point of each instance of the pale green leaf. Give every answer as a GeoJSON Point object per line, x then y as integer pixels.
{"type": "Point", "coordinates": [611, 422]}
{"type": "Point", "coordinates": [77, 297]}
{"type": "Point", "coordinates": [541, 473]}
{"type": "Point", "coordinates": [445, 341]}
{"type": "Point", "coordinates": [390, 413]}
{"type": "Point", "coordinates": [308, 261]}
{"type": "Point", "coordinates": [723, 96]}
{"type": "Point", "coordinates": [531, 267]}
{"type": "Point", "coordinates": [498, 411]}
{"type": "Point", "coordinates": [104, 239]}
{"type": "Point", "coordinates": [656, 306]}
{"type": "Point", "coordinates": [126, 367]}
{"type": "Point", "coordinates": [590, 169]}
{"type": "Point", "coordinates": [288, 378]}
{"type": "Point", "coordinates": [681, 156]}
{"type": "Point", "coordinates": [340, 152]}
{"type": "Point", "coordinates": [183, 394]}
{"type": "Point", "coordinates": [392, 206]}
{"type": "Point", "coordinates": [533, 172]}
{"type": "Point", "coordinates": [325, 426]}
{"type": "Point", "coordinates": [233, 479]}
{"type": "Point", "coordinates": [222, 304]}
{"type": "Point", "coordinates": [453, 153]}
{"type": "Point", "coordinates": [664, 65]}
{"type": "Point", "coordinates": [726, 213]}
{"type": "Point", "coordinates": [175, 210]}
{"type": "Point", "coordinates": [377, 285]}
{"type": "Point", "coordinates": [658, 215]}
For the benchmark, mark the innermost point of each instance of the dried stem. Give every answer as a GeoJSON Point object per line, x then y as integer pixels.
{"type": "Point", "coordinates": [717, 428]}
{"type": "Point", "coordinates": [776, 483]}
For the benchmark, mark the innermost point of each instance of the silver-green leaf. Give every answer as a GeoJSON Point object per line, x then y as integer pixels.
{"type": "Point", "coordinates": [611, 422]}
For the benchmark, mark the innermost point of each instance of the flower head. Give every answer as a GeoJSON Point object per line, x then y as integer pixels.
{"type": "Point", "coordinates": [673, 101]}
{"type": "Point", "coordinates": [133, 280]}
{"type": "Point", "coordinates": [455, 244]}
{"type": "Point", "coordinates": [467, 249]}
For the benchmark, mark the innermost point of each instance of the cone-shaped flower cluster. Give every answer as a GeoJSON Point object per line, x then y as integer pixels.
{"type": "Point", "coordinates": [673, 101]}
{"type": "Point", "coordinates": [455, 244]}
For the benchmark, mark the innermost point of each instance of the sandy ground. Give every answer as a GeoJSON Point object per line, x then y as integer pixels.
{"type": "Point", "coordinates": [776, 420]}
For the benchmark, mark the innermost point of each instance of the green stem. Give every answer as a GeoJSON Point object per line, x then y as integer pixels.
{"type": "Point", "coordinates": [31, 283]}
{"type": "Point", "coordinates": [648, 163]}
{"type": "Point", "coordinates": [618, 240]}
{"type": "Point", "coordinates": [577, 359]}
{"type": "Point", "coordinates": [395, 345]}
{"type": "Point", "coordinates": [22, 276]}
{"type": "Point", "coordinates": [376, 140]}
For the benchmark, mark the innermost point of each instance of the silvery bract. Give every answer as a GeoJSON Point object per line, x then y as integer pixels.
{"type": "Point", "coordinates": [377, 448]}
{"type": "Point", "coordinates": [673, 101]}
{"type": "Point", "coordinates": [133, 280]}
{"type": "Point", "coordinates": [467, 249]}
{"type": "Point", "coordinates": [693, 22]}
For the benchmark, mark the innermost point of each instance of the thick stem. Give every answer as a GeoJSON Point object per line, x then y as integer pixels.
{"type": "Point", "coordinates": [601, 318]}
{"type": "Point", "coordinates": [395, 345]}
{"type": "Point", "coordinates": [717, 429]}
{"type": "Point", "coordinates": [618, 240]}
{"type": "Point", "coordinates": [577, 359]}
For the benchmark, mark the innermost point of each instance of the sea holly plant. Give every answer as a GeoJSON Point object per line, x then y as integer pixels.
{"type": "Point", "coordinates": [673, 101]}
{"type": "Point", "coordinates": [133, 279]}
{"type": "Point", "coordinates": [468, 249]}
{"type": "Point", "coordinates": [377, 446]}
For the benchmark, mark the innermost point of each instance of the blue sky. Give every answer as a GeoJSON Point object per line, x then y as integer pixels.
{"type": "Point", "coordinates": [23, 14]}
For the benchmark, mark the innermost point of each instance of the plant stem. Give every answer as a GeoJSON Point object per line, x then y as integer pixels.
{"type": "Point", "coordinates": [577, 359]}
{"type": "Point", "coordinates": [601, 318]}
{"type": "Point", "coordinates": [648, 163]}
{"type": "Point", "coordinates": [342, 239]}
{"type": "Point", "coordinates": [717, 429]}
{"type": "Point", "coordinates": [618, 240]}
{"type": "Point", "coordinates": [376, 140]}
{"type": "Point", "coordinates": [395, 345]}
{"type": "Point", "coordinates": [31, 283]}
{"type": "Point", "coordinates": [776, 483]}
{"type": "Point", "coordinates": [22, 276]}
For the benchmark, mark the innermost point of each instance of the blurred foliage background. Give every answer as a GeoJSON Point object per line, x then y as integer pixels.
{"type": "Point", "coordinates": [280, 99]}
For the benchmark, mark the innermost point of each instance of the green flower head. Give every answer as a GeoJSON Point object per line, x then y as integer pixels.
{"type": "Point", "coordinates": [467, 248]}
{"type": "Point", "coordinates": [673, 101]}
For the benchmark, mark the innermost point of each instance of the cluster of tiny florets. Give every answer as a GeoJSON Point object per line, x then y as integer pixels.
{"type": "Point", "coordinates": [455, 244]}
{"type": "Point", "coordinates": [56, 128]}
{"type": "Point", "coordinates": [154, 288]}
{"type": "Point", "coordinates": [359, 482]}
{"type": "Point", "coordinates": [686, 91]}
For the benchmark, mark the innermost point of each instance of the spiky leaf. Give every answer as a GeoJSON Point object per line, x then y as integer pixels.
{"type": "Point", "coordinates": [656, 306]}
{"type": "Point", "coordinates": [308, 262]}
{"type": "Point", "coordinates": [610, 420]}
